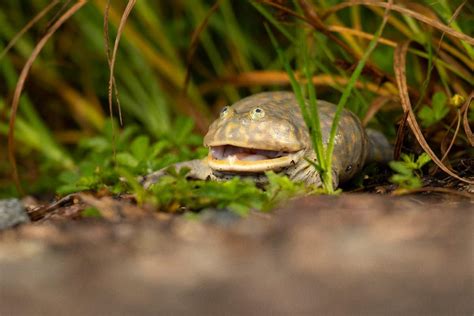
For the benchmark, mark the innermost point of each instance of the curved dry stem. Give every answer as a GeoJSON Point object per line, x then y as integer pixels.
{"type": "Point", "coordinates": [467, 128]}
{"type": "Point", "coordinates": [123, 20]}
{"type": "Point", "coordinates": [413, 14]}
{"type": "Point", "coordinates": [21, 82]}
{"type": "Point", "coordinates": [450, 49]}
{"type": "Point", "coordinates": [400, 75]}
{"type": "Point", "coordinates": [109, 61]}
{"type": "Point", "coordinates": [344, 30]}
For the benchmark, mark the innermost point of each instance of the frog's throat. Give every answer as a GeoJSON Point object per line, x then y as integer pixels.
{"type": "Point", "coordinates": [240, 159]}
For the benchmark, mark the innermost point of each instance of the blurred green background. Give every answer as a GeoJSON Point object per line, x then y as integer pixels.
{"type": "Point", "coordinates": [63, 119]}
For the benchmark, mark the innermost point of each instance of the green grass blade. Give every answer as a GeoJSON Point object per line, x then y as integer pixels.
{"type": "Point", "coordinates": [311, 116]}
{"type": "Point", "coordinates": [347, 91]}
{"type": "Point", "coordinates": [316, 135]}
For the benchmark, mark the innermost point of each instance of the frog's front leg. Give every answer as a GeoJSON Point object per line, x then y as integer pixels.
{"type": "Point", "coordinates": [198, 169]}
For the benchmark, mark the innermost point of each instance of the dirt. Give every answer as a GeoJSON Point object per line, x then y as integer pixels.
{"type": "Point", "coordinates": [352, 254]}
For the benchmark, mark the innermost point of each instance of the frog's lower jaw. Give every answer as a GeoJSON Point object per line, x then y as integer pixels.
{"type": "Point", "coordinates": [238, 159]}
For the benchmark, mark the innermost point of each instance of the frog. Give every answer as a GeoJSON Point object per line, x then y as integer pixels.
{"type": "Point", "coordinates": [267, 132]}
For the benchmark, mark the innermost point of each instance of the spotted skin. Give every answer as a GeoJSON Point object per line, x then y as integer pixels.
{"type": "Point", "coordinates": [282, 128]}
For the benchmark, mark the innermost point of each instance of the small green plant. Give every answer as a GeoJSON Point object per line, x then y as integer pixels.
{"type": "Point", "coordinates": [100, 165]}
{"type": "Point", "coordinates": [174, 192]}
{"type": "Point", "coordinates": [434, 114]}
{"type": "Point", "coordinates": [136, 155]}
{"type": "Point", "coordinates": [408, 170]}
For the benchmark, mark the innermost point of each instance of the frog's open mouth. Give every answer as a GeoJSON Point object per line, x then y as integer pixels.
{"type": "Point", "coordinates": [242, 159]}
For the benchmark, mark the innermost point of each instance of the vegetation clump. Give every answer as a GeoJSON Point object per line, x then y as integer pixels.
{"type": "Point", "coordinates": [403, 68]}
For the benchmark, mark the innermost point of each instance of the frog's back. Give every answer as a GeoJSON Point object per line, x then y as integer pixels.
{"type": "Point", "coordinates": [352, 144]}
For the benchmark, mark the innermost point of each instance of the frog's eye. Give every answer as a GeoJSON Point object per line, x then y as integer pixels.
{"type": "Point", "coordinates": [257, 113]}
{"type": "Point", "coordinates": [225, 111]}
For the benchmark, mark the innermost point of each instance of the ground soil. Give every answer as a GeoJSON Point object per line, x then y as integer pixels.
{"type": "Point", "coordinates": [362, 254]}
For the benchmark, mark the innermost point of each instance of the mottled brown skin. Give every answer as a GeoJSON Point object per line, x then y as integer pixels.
{"type": "Point", "coordinates": [282, 128]}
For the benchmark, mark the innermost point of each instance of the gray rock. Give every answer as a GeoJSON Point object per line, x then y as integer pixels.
{"type": "Point", "coordinates": [12, 213]}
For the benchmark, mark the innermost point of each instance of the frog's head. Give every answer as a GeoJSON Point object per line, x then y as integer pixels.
{"type": "Point", "coordinates": [259, 133]}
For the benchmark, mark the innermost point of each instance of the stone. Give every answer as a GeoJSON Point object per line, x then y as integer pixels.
{"type": "Point", "coordinates": [12, 213]}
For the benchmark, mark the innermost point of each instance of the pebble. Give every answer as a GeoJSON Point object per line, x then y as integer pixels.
{"type": "Point", "coordinates": [12, 213]}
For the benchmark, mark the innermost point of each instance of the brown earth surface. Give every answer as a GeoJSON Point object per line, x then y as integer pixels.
{"type": "Point", "coordinates": [356, 254]}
